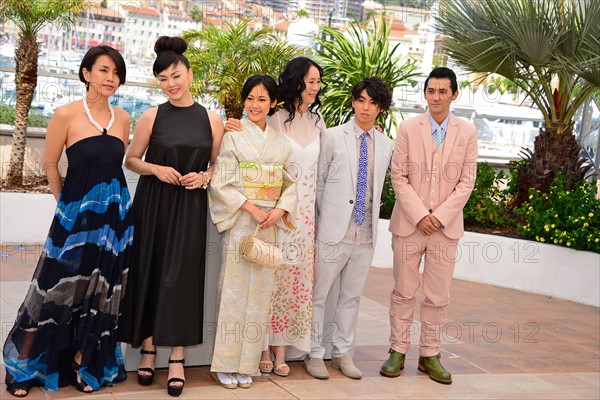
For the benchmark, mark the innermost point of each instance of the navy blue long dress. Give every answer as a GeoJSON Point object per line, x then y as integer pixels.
{"type": "Point", "coordinates": [73, 302]}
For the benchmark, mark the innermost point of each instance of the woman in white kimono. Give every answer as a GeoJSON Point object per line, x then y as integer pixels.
{"type": "Point", "coordinates": [251, 186]}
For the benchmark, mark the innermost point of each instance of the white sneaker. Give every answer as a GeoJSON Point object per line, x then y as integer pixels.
{"type": "Point", "coordinates": [244, 381]}
{"type": "Point", "coordinates": [224, 379]}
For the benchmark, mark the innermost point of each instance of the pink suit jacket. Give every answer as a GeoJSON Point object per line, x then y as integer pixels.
{"type": "Point", "coordinates": [411, 173]}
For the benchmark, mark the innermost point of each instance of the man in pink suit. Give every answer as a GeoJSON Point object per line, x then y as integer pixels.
{"type": "Point", "coordinates": [433, 173]}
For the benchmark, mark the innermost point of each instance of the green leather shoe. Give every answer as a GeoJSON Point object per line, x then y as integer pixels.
{"type": "Point", "coordinates": [433, 367]}
{"type": "Point", "coordinates": [393, 365]}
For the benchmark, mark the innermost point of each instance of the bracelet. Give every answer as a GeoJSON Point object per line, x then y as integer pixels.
{"type": "Point", "coordinates": [206, 178]}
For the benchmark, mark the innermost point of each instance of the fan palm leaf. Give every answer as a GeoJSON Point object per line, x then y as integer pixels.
{"type": "Point", "coordinates": [551, 50]}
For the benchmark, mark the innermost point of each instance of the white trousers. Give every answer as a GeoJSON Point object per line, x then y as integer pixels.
{"type": "Point", "coordinates": [351, 264]}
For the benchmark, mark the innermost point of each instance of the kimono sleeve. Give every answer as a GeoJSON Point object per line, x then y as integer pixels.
{"type": "Point", "coordinates": [226, 191]}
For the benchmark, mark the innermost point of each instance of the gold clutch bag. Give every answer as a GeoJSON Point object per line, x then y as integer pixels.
{"type": "Point", "coordinates": [255, 250]}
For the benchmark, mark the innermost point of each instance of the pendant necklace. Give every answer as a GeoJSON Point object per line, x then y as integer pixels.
{"type": "Point", "coordinates": [93, 121]}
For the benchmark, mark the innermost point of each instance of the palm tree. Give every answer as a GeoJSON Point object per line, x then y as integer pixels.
{"type": "Point", "coordinates": [224, 58]}
{"type": "Point", "coordinates": [196, 14]}
{"type": "Point", "coordinates": [302, 13]}
{"type": "Point", "coordinates": [30, 17]}
{"type": "Point", "coordinates": [550, 49]}
{"type": "Point", "coordinates": [349, 57]}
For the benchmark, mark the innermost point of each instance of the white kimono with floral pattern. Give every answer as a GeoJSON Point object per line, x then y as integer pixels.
{"type": "Point", "coordinates": [252, 165]}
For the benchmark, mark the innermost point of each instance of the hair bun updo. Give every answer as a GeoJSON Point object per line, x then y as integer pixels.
{"type": "Point", "coordinates": [169, 51]}
{"type": "Point", "coordinates": [170, 43]}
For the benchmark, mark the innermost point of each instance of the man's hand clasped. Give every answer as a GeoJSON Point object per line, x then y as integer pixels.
{"type": "Point", "coordinates": [429, 224]}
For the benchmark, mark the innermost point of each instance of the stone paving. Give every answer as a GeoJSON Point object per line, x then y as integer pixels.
{"type": "Point", "coordinates": [498, 344]}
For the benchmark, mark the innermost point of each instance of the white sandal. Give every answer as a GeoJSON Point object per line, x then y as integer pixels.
{"type": "Point", "coordinates": [244, 381]}
{"type": "Point", "coordinates": [225, 379]}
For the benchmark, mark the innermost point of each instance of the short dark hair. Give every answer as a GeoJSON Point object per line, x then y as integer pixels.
{"type": "Point", "coordinates": [377, 90]}
{"type": "Point", "coordinates": [291, 85]}
{"type": "Point", "coordinates": [441, 73]}
{"type": "Point", "coordinates": [169, 51]}
{"type": "Point", "coordinates": [265, 80]}
{"type": "Point", "coordinates": [90, 57]}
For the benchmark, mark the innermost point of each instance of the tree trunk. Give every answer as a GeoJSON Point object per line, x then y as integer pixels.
{"type": "Point", "coordinates": [553, 153]}
{"type": "Point", "coordinates": [233, 109]}
{"type": "Point", "coordinates": [26, 56]}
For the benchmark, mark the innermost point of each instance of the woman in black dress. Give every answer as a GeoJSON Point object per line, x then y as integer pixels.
{"type": "Point", "coordinates": [163, 305]}
{"type": "Point", "coordinates": [65, 328]}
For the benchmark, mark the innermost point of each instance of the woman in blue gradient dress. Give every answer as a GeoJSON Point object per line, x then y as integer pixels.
{"type": "Point", "coordinates": [65, 329]}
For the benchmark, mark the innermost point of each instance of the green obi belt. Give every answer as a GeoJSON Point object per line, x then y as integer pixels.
{"type": "Point", "coordinates": [261, 181]}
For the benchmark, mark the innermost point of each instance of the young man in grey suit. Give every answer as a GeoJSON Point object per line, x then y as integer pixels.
{"type": "Point", "coordinates": [353, 162]}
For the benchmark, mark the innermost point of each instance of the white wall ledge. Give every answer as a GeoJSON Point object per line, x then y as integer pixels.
{"type": "Point", "coordinates": [25, 217]}
{"type": "Point", "coordinates": [517, 264]}
{"type": "Point", "coordinates": [494, 260]}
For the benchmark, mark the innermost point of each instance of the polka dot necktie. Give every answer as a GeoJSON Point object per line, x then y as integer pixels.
{"type": "Point", "coordinates": [361, 182]}
{"type": "Point", "coordinates": [438, 136]}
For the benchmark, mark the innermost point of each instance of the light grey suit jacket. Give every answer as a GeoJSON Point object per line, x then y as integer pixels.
{"type": "Point", "coordinates": [336, 184]}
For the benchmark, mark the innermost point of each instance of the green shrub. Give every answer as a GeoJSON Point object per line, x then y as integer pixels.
{"type": "Point", "coordinates": [388, 197]}
{"type": "Point", "coordinates": [37, 120]}
{"type": "Point", "coordinates": [7, 116]}
{"type": "Point", "coordinates": [511, 184]}
{"type": "Point", "coordinates": [488, 205]}
{"type": "Point", "coordinates": [568, 218]}
{"type": "Point", "coordinates": [133, 120]}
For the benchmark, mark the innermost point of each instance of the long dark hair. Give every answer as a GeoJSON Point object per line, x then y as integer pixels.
{"type": "Point", "coordinates": [291, 86]}
{"type": "Point", "coordinates": [169, 51]}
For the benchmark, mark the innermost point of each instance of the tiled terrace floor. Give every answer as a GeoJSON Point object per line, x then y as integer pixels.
{"type": "Point", "coordinates": [499, 344]}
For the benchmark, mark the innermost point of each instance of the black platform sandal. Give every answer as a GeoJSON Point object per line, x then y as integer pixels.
{"type": "Point", "coordinates": [146, 380]}
{"type": "Point", "coordinates": [14, 387]}
{"type": "Point", "coordinates": [175, 390]}
{"type": "Point", "coordinates": [79, 383]}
